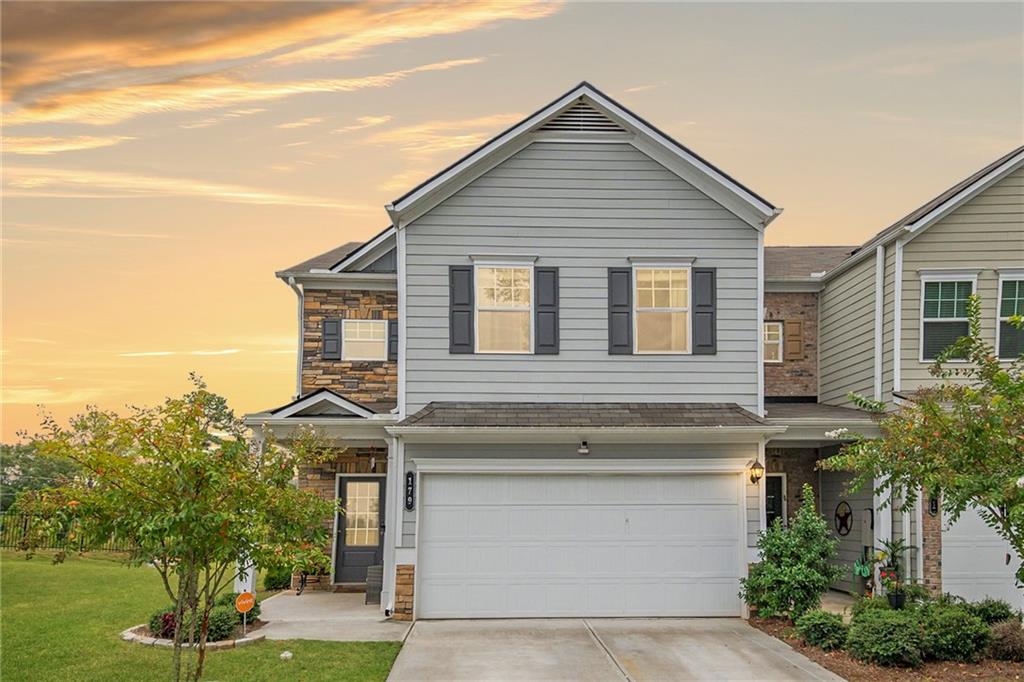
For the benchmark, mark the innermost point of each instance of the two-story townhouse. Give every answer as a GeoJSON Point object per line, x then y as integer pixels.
{"type": "Point", "coordinates": [555, 380]}
{"type": "Point", "coordinates": [889, 309]}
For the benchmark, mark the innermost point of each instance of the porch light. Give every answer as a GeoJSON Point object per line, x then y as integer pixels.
{"type": "Point", "coordinates": [756, 471]}
{"type": "Point", "coordinates": [583, 449]}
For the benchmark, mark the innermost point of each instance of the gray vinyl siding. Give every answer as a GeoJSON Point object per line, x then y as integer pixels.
{"type": "Point", "coordinates": [986, 232]}
{"type": "Point", "coordinates": [582, 207]}
{"type": "Point", "coordinates": [846, 335]}
{"type": "Point", "coordinates": [597, 451]}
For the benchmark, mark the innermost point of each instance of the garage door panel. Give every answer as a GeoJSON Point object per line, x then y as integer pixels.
{"type": "Point", "coordinates": [594, 545]}
{"type": "Point", "coordinates": [974, 561]}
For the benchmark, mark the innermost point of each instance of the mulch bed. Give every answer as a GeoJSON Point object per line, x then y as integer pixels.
{"type": "Point", "coordinates": [844, 665]}
{"type": "Point", "coordinates": [235, 634]}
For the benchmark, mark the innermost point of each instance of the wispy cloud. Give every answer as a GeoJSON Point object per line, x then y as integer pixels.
{"type": "Point", "coordinates": [166, 353]}
{"type": "Point", "coordinates": [147, 354]}
{"type": "Point", "coordinates": [37, 394]}
{"type": "Point", "coordinates": [41, 146]}
{"type": "Point", "coordinates": [432, 137]}
{"type": "Point", "coordinates": [301, 123]}
{"type": "Point", "coordinates": [645, 87]}
{"type": "Point", "coordinates": [214, 120]}
{"type": "Point", "coordinates": [64, 182]}
{"type": "Point", "coordinates": [362, 123]}
{"type": "Point", "coordinates": [87, 232]}
{"type": "Point", "coordinates": [926, 59]}
{"type": "Point", "coordinates": [111, 106]}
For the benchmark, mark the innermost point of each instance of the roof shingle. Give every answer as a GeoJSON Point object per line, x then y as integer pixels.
{"type": "Point", "coordinates": [798, 262]}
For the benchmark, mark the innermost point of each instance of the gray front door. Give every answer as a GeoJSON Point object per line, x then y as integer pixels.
{"type": "Point", "coordinates": [360, 539]}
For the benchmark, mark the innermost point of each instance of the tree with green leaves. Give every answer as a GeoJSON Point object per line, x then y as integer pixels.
{"type": "Point", "coordinates": [962, 439]}
{"type": "Point", "coordinates": [22, 468]}
{"type": "Point", "coordinates": [189, 487]}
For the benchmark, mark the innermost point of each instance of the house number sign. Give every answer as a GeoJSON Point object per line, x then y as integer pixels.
{"type": "Point", "coordinates": [410, 491]}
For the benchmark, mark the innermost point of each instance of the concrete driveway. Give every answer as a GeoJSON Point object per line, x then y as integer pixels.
{"type": "Point", "coordinates": [598, 650]}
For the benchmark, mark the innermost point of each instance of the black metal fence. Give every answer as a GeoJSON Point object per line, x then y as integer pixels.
{"type": "Point", "coordinates": [15, 527]}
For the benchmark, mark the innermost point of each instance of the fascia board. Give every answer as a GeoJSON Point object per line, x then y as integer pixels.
{"type": "Point", "coordinates": [500, 434]}
{"type": "Point", "coordinates": [583, 464]}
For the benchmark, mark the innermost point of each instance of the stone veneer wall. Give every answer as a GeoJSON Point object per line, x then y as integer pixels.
{"type": "Point", "coordinates": [931, 548]}
{"type": "Point", "coordinates": [793, 377]}
{"type": "Point", "coordinates": [322, 478]}
{"type": "Point", "coordinates": [799, 466]}
{"type": "Point", "coordinates": [405, 581]}
{"type": "Point", "coordinates": [372, 382]}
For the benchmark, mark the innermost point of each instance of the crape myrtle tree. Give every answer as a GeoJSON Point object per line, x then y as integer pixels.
{"type": "Point", "coordinates": [962, 439]}
{"type": "Point", "coordinates": [187, 485]}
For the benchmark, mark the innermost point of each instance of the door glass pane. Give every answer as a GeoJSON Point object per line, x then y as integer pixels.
{"type": "Point", "coordinates": [362, 518]}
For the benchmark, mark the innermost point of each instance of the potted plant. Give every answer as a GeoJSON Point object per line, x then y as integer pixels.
{"type": "Point", "coordinates": [895, 589]}
{"type": "Point", "coordinates": [312, 564]}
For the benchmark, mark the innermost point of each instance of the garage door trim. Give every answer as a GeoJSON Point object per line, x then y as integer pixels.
{"type": "Point", "coordinates": [737, 466]}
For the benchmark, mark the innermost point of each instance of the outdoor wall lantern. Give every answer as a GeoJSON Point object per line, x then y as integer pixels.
{"type": "Point", "coordinates": [583, 449]}
{"type": "Point", "coordinates": [756, 471]}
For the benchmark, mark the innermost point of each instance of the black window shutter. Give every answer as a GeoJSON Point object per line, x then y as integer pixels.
{"type": "Point", "coordinates": [460, 309]}
{"type": "Point", "coordinates": [392, 339]}
{"type": "Point", "coordinates": [705, 313]}
{"type": "Point", "coordinates": [620, 311]}
{"type": "Point", "coordinates": [331, 339]}
{"type": "Point", "coordinates": [545, 314]}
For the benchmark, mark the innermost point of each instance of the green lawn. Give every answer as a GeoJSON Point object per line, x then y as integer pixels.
{"type": "Point", "coordinates": [62, 622]}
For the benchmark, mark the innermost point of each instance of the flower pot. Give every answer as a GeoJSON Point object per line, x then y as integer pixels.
{"type": "Point", "coordinates": [897, 599]}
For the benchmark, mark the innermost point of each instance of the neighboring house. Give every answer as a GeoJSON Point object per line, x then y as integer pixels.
{"type": "Point", "coordinates": [549, 378]}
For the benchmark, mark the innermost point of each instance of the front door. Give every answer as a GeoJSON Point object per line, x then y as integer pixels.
{"type": "Point", "coordinates": [774, 500]}
{"type": "Point", "coordinates": [360, 524]}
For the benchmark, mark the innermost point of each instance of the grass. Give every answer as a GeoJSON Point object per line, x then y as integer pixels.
{"type": "Point", "coordinates": [62, 622]}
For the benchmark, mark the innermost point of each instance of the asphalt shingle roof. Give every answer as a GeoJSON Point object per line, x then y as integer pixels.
{"type": "Point", "coordinates": [327, 259]}
{"type": "Point", "coordinates": [798, 262]}
{"type": "Point", "coordinates": [813, 411]}
{"type": "Point", "coordinates": [572, 415]}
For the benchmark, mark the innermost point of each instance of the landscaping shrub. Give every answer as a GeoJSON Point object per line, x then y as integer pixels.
{"type": "Point", "coordinates": [866, 604]}
{"type": "Point", "coordinates": [161, 623]}
{"type": "Point", "coordinates": [952, 633]}
{"type": "Point", "coordinates": [916, 593]}
{"type": "Point", "coordinates": [822, 629]}
{"type": "Point", "coordinates": [992, 610]}
{"type": "Point", "coordinates": [886, 637]}
{"type": "Point", "coordinates": [228, 599]}
{"type": "Point", "coordinates": [796, 565]}
{"type": "Point", "coordinates": [1007, 641]}
{"type": "Point", "coordinates": [277, 579]}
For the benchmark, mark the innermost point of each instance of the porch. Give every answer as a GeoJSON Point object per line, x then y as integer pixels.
{"type": "Point", "coordinates": [327, 616]}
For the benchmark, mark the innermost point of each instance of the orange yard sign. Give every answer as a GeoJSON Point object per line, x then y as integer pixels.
{"type": "Point", "coordinates": [244, 602]}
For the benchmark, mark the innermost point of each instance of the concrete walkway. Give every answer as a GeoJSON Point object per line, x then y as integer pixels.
{"type": "Point", "coordinates": [839, 602]}
{"type": "Point", "coordinates": [601, 650]}
{"type": "Point", "coordinates": [329, 617]}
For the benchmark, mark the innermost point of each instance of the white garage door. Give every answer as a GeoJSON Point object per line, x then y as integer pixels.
{"type": "Point", "coordinates": [974, 562]}
{"type": "Point", "coordinates": [513, 545]}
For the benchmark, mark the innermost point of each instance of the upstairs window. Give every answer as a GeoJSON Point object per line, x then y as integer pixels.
{"type": "Point", "coordinates": [504, 309]}
{"type": "Point", "coordinates": [944, 315]}
{"type": "Point", "coordinates": [1011, 302]}
{"type": "Point", "coordinates": [773, 342]}
{"type": "Point", "coordinates": [364, 340]}
{"type": "Point", "coordinates": [662, 310]}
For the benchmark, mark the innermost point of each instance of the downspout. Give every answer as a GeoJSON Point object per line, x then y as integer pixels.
{"type": "Point", "coordinates": [297, 288]}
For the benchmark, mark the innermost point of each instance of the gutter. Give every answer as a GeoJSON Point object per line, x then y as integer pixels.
{"type": "Point", "coordinates": [298, 364]}
{"type": "Point", "coordinates": [572, 434]}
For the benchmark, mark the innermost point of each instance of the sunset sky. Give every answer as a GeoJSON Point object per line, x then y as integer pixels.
{"type": "Point", "coordinates": [162, 160]}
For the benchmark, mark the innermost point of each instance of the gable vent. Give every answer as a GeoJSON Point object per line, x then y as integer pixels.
{"type": "Point", "coordinates": [582, 118]}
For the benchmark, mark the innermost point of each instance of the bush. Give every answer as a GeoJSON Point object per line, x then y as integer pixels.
{"type": "Point", "coordinates": [1007, 641]}
{"type": "Point", "coordinates": [886, 637]}
{"type": "Point", "coordinates": [822, 629]}
{"type": "Point", "coordinates": [223, 620]}
{"type": "Point", "coordinates": [277, 579]}
{"type": "Point", "coordinates": [161, 623]}
{"type": "Point", "coordinates": [796, 565]}
{"type": "Point", "coordinates": [992, 610]}
{"type": "Point", "coordinates": [952, 633]}
{"type": "Point", "coordinates": [228, 599]}
{"type": "Point", "coordinates": [916, 593]}
{"type": "Point", "coordinates": [866, 604]}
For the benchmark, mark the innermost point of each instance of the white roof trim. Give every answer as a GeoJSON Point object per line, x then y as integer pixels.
{"type": "Point", "coordinates": [437, 465]}
{"type": "Point", "coordinates": [965, 194]}
{"type": "Point", "coordinates": [364, 249]}
{"type": "Point", "coordinates": [759, 206]}
{"type": "Point", "coordinates": [572, 434]}
{"type": "Point", "coordinates": [322, 397]}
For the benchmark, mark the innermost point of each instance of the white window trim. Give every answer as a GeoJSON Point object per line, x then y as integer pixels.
{"type": "Point", "coordinates": [688, 311]}
{"type": "Point", "coordinates": [1008, 275]}
{"type": "Point", "coordinates": [344, 323]}
{"type": "Point", "coordinates": [782, 340]}
{"type": "Point", "coordinates": [477, 308]}
{"type": "Point", "coordinates": [967, 275]}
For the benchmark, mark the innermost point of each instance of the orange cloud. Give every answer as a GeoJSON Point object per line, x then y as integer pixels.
{"type": "Point", "coordinates": [106, 107]}
{"type": "Point", "coordinates": [301, 123]}
{"type": "Point", "coordinates": [40, 146]}
{"type": "Point", "coordinates": [362, 123]}
{"type": "Point", "coordinates": [433, 137]}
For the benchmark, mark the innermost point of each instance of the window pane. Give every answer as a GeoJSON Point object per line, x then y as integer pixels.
{"type": "Point", "coordinates": [644, 298]}
{"type": "Point", "coordinates": [931, 308]}
{"type": "Point", "coordinates": [943, 300]}
{"type": "Point", "coordinates": [1012, 299]}
{"type": "Point", "coordinates": [662, 288]}
{"type": "Point", "coordinates": [931, 291]}
{"type": "Point", "coordinates": [503, 287]}
{"type": "Point", "coordinates": [661, 298]}
{"type": "Point", "coordinates": [503, 331]}
{"type": "Point", "coordinates": [1011, 341]}
{"type": "Point", "coordinates": [772, 331]}
{"type": "Point", "coordinates": [364, 340]}
{"type": "Point", "coordinates": [772, 352]}
{"type": "Point", "coordinates": [664, 332]}
{"type": "Point", "coordinates": [940, 335]}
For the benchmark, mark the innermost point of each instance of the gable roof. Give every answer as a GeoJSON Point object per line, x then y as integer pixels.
{"type": "Point", "coordinates": [742, 201]}
{"type": "Point", "coordinates": [802, 262]}
{"type": "Point", "coordinates": [326, 403]}
{"type": "Point", "coordinates": [325, 260]}
{"type": "Point", "coordinates": [926, 215]}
